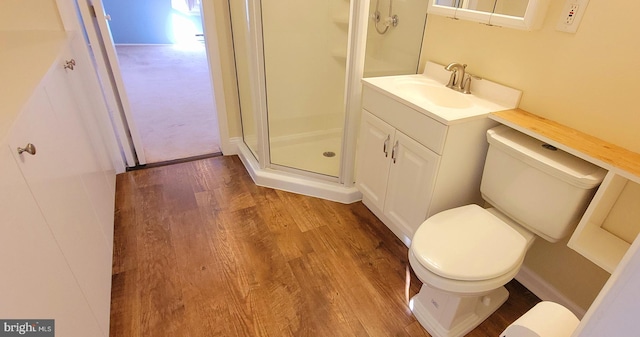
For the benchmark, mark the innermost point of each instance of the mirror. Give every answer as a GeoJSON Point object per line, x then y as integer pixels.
{"type": "Point", "coordinates": [518, 14]}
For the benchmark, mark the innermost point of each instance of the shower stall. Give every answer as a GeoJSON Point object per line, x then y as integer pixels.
{"type": "Point", "coordinates": [298, 69]}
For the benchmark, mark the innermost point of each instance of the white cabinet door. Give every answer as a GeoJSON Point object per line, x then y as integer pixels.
{"type": "Point", "coordinates": [411, 181]}
{"type": "Point", "coordinates": [53, 177]}
{"type": "Point", "coordinates": [87, 155]}
{"type": "Point", "coordinates": [35, 281]}
{"type": "Point", "coordinates": [374, 158]}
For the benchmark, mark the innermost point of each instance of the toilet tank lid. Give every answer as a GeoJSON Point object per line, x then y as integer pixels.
{"type": "Point", "coordinates": [545, 157]}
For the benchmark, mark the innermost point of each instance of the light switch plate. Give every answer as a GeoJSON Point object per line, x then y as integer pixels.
{"type": "Point", "coordinates": [571, 15]}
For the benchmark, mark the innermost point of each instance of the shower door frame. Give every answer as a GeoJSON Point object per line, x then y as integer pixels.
{"type": "Point", "coordinates": [356, 47]}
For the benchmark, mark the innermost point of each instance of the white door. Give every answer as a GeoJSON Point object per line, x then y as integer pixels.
{"type": "Point", "coordinates": [411, 181]}
{"type": "Point", "coordinates": [104, 51]}
{"type": "Point", "coordinates": [67, 100]}
{"type": "Point", "coordinates": [374, 158]}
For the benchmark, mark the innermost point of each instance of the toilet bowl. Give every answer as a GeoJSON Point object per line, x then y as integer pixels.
{"type": "Point", "coordinates": [464, 256]}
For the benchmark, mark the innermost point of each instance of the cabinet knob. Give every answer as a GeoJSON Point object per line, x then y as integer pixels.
{"type": "Point", "coordinates": [30, 149]}
{"type": "Point", "coordinates": [69, 64]}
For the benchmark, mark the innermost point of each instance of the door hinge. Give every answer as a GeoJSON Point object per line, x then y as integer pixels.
{"type": "Point", "coordinates": [92, 11]}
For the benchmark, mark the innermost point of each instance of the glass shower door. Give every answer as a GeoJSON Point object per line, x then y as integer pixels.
{"type": "Point", "coordinates": [305, 49]}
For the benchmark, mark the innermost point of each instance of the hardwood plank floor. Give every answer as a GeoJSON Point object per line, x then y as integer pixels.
{"type": "Point", "coordinates": [200, 250]}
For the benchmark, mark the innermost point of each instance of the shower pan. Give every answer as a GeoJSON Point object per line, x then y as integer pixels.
{"type": "Point", "coordinates": [298, 69]}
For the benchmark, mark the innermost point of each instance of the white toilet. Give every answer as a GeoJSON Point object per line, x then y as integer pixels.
{"type": "Point", "coordinates": [464, 256]}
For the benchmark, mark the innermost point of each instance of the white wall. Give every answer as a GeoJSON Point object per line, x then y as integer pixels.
{"type": "Point", "coordinates": [29, 15]}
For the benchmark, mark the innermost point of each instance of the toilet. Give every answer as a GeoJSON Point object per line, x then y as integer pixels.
{"type": "Point", "coordinates": [464, 256]}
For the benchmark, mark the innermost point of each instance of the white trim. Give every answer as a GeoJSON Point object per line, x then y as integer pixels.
{"type": "Point", "coordinates": [296, 183]}
{"type": "Point", "coordinates": [356, 49]}
{"type": "Point", "coordinates": [257, 77]}
{"type": "Point", "coordinates": [119, 124]}
{"type": "Point", "coordinates": [212, 45]}
{"type": "Point", "coordinates": [545, 291]}
{"type": "Point", "coordinates": [118, 82]}
{"type": "Point", "coordinates": [232, 147]}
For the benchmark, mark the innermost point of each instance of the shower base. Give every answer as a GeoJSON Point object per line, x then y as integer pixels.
{"type": "Point", "coordinates": [296, 183]}
{"type": "Point", "coordinates": [313, 154]}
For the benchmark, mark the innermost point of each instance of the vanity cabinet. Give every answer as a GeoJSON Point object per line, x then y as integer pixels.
{"type": "Point", "coordinates": [411, 166]}
{"type": "Point", "coordinates": [58, 201]}
{"type": "Point", "coordinates": [397, 174]}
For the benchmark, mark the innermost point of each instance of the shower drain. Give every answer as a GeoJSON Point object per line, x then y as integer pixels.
{"type": "Point", "coordinates": [329, 154]}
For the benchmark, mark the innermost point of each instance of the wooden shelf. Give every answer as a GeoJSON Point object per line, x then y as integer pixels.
{"type": "Point", "coordinates": [606, 155]}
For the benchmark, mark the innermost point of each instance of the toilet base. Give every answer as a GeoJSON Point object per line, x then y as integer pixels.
{"type": "Point", "coordinates": [444, 314]}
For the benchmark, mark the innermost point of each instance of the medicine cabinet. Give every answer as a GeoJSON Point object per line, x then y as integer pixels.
{"type": "Point", "coordinates": [517, 14]}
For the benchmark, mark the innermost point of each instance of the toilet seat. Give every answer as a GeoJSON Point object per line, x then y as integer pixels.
{"type": "Point", "coordinates": [470, 244]}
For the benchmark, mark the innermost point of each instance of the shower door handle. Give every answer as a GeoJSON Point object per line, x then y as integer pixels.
{"type": "Point", "coordinates": [384, 147]}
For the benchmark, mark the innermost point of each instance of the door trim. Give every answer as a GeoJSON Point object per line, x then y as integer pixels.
{"type": "Point", "coordinates": [112, 65]}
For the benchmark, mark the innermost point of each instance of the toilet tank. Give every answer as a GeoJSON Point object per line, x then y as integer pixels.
{"type": "Point", "coordinates": [544, 189]}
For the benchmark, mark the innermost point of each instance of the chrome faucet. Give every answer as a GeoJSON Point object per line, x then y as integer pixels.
{"type": "Point", "coordinates": [457, 76]}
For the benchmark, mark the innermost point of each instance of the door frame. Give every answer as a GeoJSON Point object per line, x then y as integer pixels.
{"type": "Point", "coordinates": [93, 13]}
{"type": "Point", "coordinates": [77, 16]}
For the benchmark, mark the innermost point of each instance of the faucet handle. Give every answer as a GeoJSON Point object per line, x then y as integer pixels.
{"type": "Point", "coordinates": [466, 82]}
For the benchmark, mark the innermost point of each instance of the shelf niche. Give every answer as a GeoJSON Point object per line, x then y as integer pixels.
{"type": "Point", "coordinates": [610, 223]}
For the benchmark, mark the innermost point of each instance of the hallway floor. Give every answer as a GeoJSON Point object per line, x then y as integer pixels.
{"type": "Point", "coordinates": [171, 99]}
{"type": "Point", "coordinates": [200, 250]}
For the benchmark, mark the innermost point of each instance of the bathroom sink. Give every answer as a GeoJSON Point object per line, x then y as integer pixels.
{"type": "Point", "coordinates": [429, 94]}
{"type": "Point", "coordinates": [434, 92]}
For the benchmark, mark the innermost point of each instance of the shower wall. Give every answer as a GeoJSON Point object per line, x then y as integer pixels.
{"type": "Point", "coordinates": [305, 44]}
{"type": "Point", "coordinates": [397, 51]}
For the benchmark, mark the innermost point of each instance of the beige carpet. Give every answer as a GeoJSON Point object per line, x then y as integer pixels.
{"type": "Point", "coordinates": [171, 100]}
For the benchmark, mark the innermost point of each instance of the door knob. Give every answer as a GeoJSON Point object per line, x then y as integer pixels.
{"type": "Point", "coordinates": [69, 64]}
{"type": "Point", "coordinates": [30, 149]}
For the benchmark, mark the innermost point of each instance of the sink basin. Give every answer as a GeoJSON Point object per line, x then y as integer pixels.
{"type": "Point", "coordinates": [435, 92]}
{"type": "Point", "coordinates": [428, 94]}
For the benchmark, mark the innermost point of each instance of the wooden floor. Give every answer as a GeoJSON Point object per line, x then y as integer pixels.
{"type": "Point", "coordinates": [200, 250]}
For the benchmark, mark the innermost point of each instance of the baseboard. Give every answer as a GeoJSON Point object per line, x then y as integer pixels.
{"type": "Point", "coordinates": [545, 291]}
{"type": "Point", "coordinates": [230, 147]}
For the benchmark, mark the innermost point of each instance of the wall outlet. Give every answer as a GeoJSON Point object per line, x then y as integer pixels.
{"type": "Point", "coordinates": [571, 15]}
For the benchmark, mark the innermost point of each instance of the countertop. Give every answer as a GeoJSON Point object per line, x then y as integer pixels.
{"type": "Point", "coordinates": [486, 97]}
